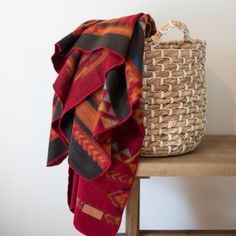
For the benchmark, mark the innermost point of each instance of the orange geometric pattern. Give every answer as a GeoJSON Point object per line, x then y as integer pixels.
{"type": "Point", "coordinates": [115, 30]}
{"type": "Point", "coordinates": [132, 79]}
{"type": "Point", "coordinates": [93, 62]}
{"type": "Point", "coordinates": [90, 147]}
{"type": "Point", "coordinates": [118, 198]}
{"type": "Point", "coordinates": [53, 134]}
{"type": "Point", "coordinates": [137, 114]}
{"type": "Point", "coordinates": [86, 114]}
{"type": "Point", "coordinates": [117, 176]}
{"type": "Point", "coordinates": [109, 218]}
{"type": "Point", "coordinates": [133, 167]}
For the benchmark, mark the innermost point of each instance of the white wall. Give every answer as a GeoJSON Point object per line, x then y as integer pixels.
{"type": "Point", "coordinates": [33, 197]}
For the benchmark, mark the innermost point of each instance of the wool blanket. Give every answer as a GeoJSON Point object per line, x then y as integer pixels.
{"type": "Point", "coordinates": [96, 117]}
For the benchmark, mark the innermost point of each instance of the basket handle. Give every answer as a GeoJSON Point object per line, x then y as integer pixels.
{"type": "Point", "coordinates": [169, 25]}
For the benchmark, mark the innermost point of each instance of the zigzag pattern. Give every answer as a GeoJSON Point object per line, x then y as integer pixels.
{"type": "Point", "coordinates": [109, 218]}
{"type": "Point", "coordinates": [118, 198]}
{"type": "Point", "coordinates": [137, 115]}
{"type": "Point", "coordinates": [53, 134]}
{"type": "Point", "coordinates": [89, 147]}
{"type": "Point", "coordinates": [105, 110]}
{"type": "Point", "coordinates": [117, 176]}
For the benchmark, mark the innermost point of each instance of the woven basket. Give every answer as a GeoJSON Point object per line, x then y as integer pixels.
{"type": "Point", "coordinates": [174, 93]}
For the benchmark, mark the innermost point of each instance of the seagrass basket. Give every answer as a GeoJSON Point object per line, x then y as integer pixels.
{"type": "Point", "coordinates": [174, 93]}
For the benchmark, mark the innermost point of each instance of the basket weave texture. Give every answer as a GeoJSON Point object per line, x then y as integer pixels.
{"type": "Point", "coordinates": [174, 93]}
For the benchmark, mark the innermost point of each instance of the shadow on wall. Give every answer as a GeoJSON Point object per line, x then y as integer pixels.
{"type": "Point", "coordinates": [211, 201]}
{"type": "Point", "coordinates": [220, 106]}
{"type": "Point", "coordinates": [174, 203]}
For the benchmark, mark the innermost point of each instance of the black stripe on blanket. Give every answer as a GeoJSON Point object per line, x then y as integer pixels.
{"type": "Point", "coordinates": [81, 161]}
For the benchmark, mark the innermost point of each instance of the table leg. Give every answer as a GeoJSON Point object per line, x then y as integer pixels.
{"type": "Point", "coordinates": [132, 210]}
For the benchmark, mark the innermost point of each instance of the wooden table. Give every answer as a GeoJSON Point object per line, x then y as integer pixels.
{"type": "Point", "coordinates": [215, 156]}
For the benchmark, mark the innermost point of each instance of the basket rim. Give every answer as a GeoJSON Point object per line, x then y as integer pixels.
{"type": "Point", "coordinates": [177, 41]}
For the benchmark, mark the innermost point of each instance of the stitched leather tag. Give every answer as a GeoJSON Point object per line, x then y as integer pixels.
{"type": "Point", "coordinates": [92, 211]}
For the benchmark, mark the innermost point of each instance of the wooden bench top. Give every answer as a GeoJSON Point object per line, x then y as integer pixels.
{"type": "Point", "coordinates": [215, 156]}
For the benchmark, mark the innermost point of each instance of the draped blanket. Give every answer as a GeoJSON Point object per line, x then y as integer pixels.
{"type": "Point", "coordinates": [96, 117]}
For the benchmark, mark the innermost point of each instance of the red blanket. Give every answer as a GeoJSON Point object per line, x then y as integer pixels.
{"type": "Point", "coordinates": [96, 117]}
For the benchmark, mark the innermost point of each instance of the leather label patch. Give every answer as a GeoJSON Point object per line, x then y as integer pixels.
{"type": "Point", "coordinates": [92, 211]}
